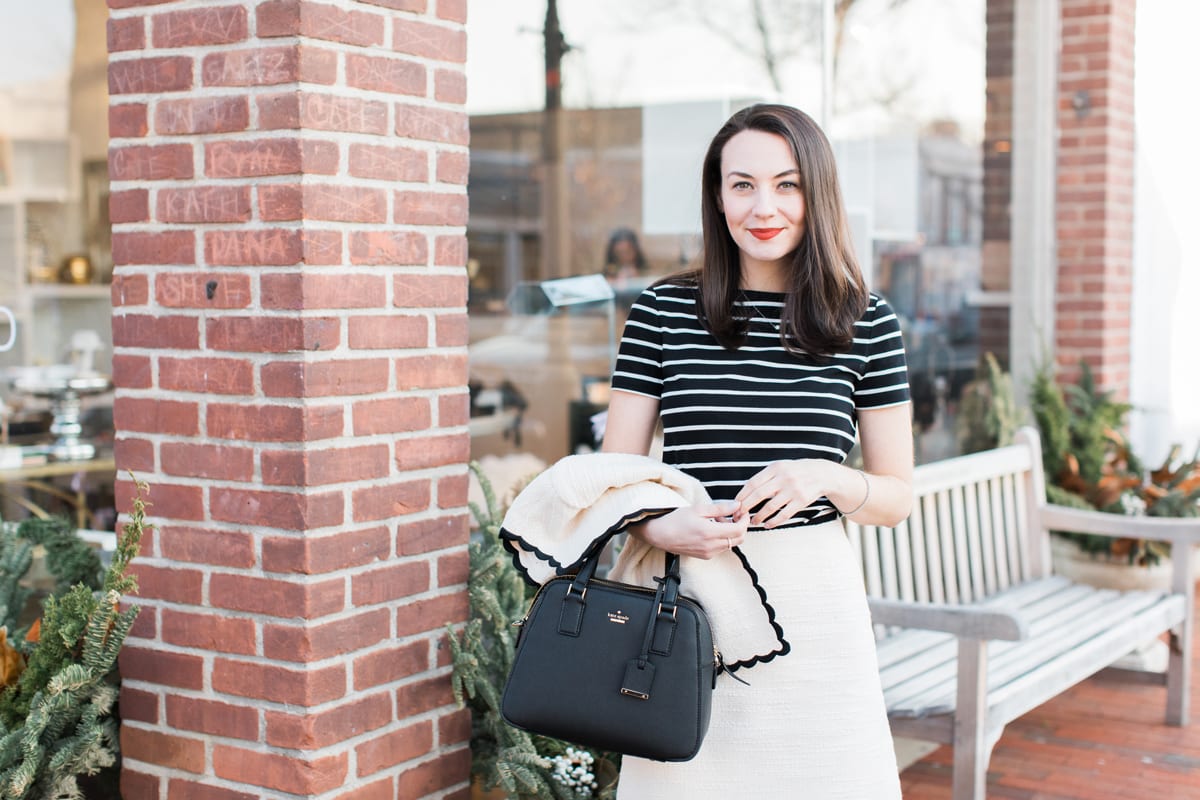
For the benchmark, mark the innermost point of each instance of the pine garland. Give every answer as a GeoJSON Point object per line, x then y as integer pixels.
{"type": "Point", "coordinates": [482, 651]}
{"type": "Point", "coordinates": [56, 722]}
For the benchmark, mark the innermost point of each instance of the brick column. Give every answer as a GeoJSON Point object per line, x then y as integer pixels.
{"type": "Point", "coordinates": [1095, 191]}
{"type": "Point", "coordinates": [289, 327]}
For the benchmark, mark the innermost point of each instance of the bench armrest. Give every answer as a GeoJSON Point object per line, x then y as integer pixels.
{"type": "Point", "coordinates": [965, 622]}
{"type": "Point", "coordinates": [1182, 530]}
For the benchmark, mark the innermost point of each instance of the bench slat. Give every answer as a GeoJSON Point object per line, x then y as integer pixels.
{"type": "Point", "coordinates": [996, 506]}
{"type": "Point", "coordinates": [939, 475]}
{"type": "Point", "coordinates": [916, 538]}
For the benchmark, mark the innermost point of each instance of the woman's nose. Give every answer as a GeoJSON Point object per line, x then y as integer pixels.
{"type": "Point", "coordinates": [764, 204]}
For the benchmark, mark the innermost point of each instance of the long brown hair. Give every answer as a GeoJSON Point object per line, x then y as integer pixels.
{"type": "Point", "coordinates": [826, 293]}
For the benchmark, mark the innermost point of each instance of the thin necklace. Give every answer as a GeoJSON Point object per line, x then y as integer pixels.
{"type": "Point", "coordinates": [774, 323]}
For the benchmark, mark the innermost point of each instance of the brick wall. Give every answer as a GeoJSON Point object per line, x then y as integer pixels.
{"type": "Point", "coordinates": [1095, 191]}
{"type": "Point", "coordinates": [288, 206]}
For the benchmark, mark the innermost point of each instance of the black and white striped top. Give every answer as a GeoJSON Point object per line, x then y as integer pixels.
{"type": "Point", "coordinates": [728, 413]}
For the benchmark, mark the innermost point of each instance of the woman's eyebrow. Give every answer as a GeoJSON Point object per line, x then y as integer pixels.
{"type": "Point", "coordinates": [735, 173]}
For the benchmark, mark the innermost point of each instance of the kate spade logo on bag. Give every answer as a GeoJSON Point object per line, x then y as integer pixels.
{"type": "Point", "coordinates": [618, 617]}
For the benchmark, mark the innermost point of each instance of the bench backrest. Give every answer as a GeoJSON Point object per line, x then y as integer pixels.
{"type": "Point", "coordinates": [973, 531]}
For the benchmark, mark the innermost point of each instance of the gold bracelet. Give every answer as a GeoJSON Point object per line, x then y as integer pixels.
{"type": "Point", "coordinates": [866, 497]}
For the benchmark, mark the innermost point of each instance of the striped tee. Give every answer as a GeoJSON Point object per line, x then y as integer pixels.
{"type": "Point", "coordinates": [726, 414]}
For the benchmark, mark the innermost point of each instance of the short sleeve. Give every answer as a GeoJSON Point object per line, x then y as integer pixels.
{"type": "Point", "coordinates": [639, 360]}
{"type": "Point", "coordinates": [885, 377]}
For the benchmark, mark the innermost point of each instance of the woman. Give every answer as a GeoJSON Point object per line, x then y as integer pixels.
{"type": "Point", "coordinates": [760, 366]}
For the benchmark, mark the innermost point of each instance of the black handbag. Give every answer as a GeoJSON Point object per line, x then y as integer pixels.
{"type": "Point", "coordinates": [615, 667]}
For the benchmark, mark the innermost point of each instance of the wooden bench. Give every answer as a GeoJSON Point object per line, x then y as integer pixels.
{"type": "Point", "coordinates": [973, 627]}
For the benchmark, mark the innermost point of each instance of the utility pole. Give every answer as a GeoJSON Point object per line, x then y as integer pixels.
{"type": "Point", "coordinates": [556, 237]}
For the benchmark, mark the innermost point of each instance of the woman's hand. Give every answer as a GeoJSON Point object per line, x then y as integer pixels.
{"type": "Point", "coordinates": [700, 531]}
{"type": "Point", "coordinates": [782, 489]}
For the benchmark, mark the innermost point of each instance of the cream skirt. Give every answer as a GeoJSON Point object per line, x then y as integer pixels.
{"type": "Point", "coordinates": [811, 725]}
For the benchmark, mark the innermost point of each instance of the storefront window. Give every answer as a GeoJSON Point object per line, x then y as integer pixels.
{"type": "Point", "coordinates": [55, 260]}
{"type": "Point", "coordinates": [642, 91]}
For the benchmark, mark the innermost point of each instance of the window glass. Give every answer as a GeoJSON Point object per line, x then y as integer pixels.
{"type": "Point", "coordinates": [608, 186]}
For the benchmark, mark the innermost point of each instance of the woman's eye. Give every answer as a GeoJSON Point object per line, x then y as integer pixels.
{"type": "Point", "coordinates": [789, 185]}
{"type": "Point", "coordinates": [742, 185]}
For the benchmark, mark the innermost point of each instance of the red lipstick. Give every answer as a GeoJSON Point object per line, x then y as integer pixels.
{"type": "Point", "coordinates": [765, 233]}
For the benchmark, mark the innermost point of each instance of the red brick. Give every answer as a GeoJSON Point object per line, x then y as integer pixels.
{"type": "Point", "coordinates": [452, 491]}
{"type": "Point", "coordinates": [336, 378]}
{"type": "Point", "coordinates": [204, 204]}
{"type": "Point", "coordinates": [219, 462]}
{"type": "Point", "coordinates": [391, 665]}
{"type": "Point", "coordinates": [126, 34]}
{"type": "Point", "coordinates": [135, 785]}
{"type": "Point", "coordinates": [320, 21]}
{"type": "Point", "coordinates": [284, 773]}
{"type": "Point", "coordinates": [278, 111]}
{"type": "Point", "coordinates": [429, 208]}
{"type": "Point", "coordinates": [417, 6]}
{"type": "Point", "coordinates": [388, 247]}
{"type": "Point", "coordinates": [323, 247]}
{"type": "Point", "coordinates": [139, 706]}
{"type": "Point", "coordinates": [450, 251]}
{"type": "Point", "coordinates": [423, 536]}
{"type": "Point", "coordinates": [175, 585]}
{"type": "Point", "coordinates": [277, 18]}
{"type": "Point", "coordinates": [309, 291]}
{"type": "Point", "coordinates": [150, 75]}
{"type": "Point", "coordinates": [389, 163]}
{"type": "Point", "coordinates": [310, 642]}
{"type": "Point", "coordinates": [193, 290]}
{"type": "Point", "coordinates": [170, 247]}
{"type": "Point", "coordinates": [254, 159]}
{"type": "Point", "coordinates": [135, 455]}
{"type": "Point", "coordinates": [281, 202]}
{"type": "Point", "coordinates": [450, 86]}
{"type": "Point", "coordinates": [140, 330]}
{"type": "Point", "coordinates": [149, 415]}
{"type": "Point", "coordinates": [132, 205]}
{"type": "Point", "coordinates": [278, 598]}
{"type": "Point", "coordinates": [344, 203]}
{"type": "Point", "coordinates": [391, 415]}
{"type": "Point", "coordinates": [381, 789]}
{"type": "Point", "coordinates": [433, 614]}
{"type": "Point", "coordinates": [311, 554]}
{"type": "Point", "coordinates": [388, 333]}
{"type": "Point", "coordinates": [145, 625]}
{"type": "Point", "coordinates": [431, 372]}
{"type": "Point", "coordinates": [163, 749]}
{"type": "Point", "coordinates": [208, 632]}
{"type": "Point", "coordinates": [131, 372]}
{"type": "Point", "coordinates": [452, 409]}
{"type": "Point", "coordinates": [321, 729]}
{"type": "Point", "coordinates": [452, 10]}
{"type": "Point", "coordinates": [389, 583]}
{"type": "Point", "coordinates": [264, 66]}
{"type": "Point", "coordinates": [202, 115]}
{"type": "Point", "coordinates": [453, 569]}
{"type": "Point", "coordinates": [286, 510]}
{"type": "Point", "coordinates": [273, 422]}
{"type": "Point", "coordinates": [206, 375]}
{"type": "Point", "coordinates": [432, 124]}
{"type": "Point", "coordinates": [390, 749]}
{"type": "Point", "coordinates": [455, 728]}
{"type": "Point", "coordinates": [200, 27]}
{"type": "Point", "coordinates": [342, 114]}
{"type": "Point", "coordinates": [268, 247]}
{"type": "Point", "coordinates": [161, 668]}
{"type": "Point", "coordinates": [387, 501]}
{"type": "Point", "coordinates": [432, 451]}
{"type": "Point", "coordinates": [318, 65]}
{"type": "Point", "coordinates": [383, 74]}
{"type": "Point", "coordinates": [202, 546]}
{"type": "Point", "coordinates": [418, 697]}
{"type": "Point", "coordinates": [303, 687]}
{"type": "Point", "coordinates": [212, 717]}
{"type": "Point", "coordinates": [150, 162]}
{"type": "Point", "coordinates": [170, 500]}
{"type": "Point", "coordinates": [429, 777]}
{"type": "Point", "coordinates": [453, 330]}
{"type": "Point", "coordinates": [430, 291]}
{"type": "Point", "coordinates": [179, 789]}
{"type": "Point", "coordinates": [321, 467]}
{"type": "Point", "coordinates": [453, 168]}
{"type": "Point", "coordinates": [127, 120]}
{"type": "Point", "coordinates": [435, 42]}
{"type": "Point", "coordinates": [271, 335]}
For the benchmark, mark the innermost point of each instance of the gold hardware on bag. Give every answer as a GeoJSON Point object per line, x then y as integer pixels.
{"type": "Point", "coordinates": [632, 693]}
